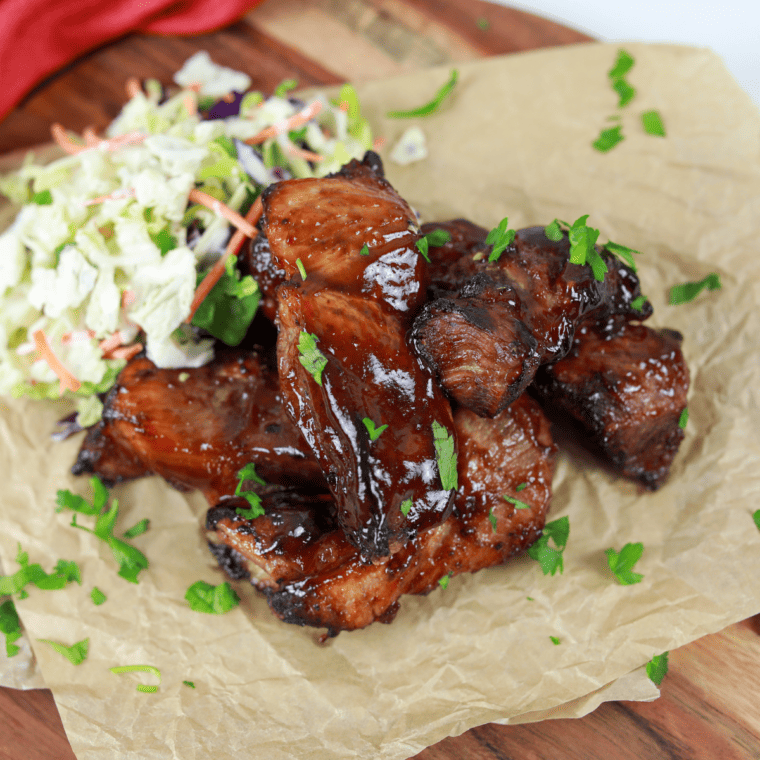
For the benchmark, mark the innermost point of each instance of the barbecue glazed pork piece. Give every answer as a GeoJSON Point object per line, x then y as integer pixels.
{"type": "Point", "coordinates": [197, 428]}
{"type": "Point", "coordinates": [628, 391]}
{"type": "Point", "coordinates": [486, 342]}
{"type": "Point", "coordinates": [321, 580]}
{"type": "Point", "coordinates": [343, 358]}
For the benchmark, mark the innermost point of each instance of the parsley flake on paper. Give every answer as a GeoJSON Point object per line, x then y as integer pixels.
{"type": "Point", "coordinates": [131, 560]}
{"type": "Point", "coordinates": [97, 596]}
{"type": "Point", "coordinates": [608, 139]}
{"type": "Point", "coordinates": [652, 123]}
{"type": "Point", "coordinates": [621, 563]}
{"type": "Point", "coordinates": [555, 640]}
{"type": "Point", "coordinates": [76, 654]}
{"type": "Point", "coordinates": [313, 360]}
{"type": "Point", "coordinates": [445, 456]}
{"type": "Point", "coordinates": [756, 518]}
{"type": "Point", "coordinates": [499, 237]}
{"type": "Point", "coordinates": [684, 418]}
{"type": "Point", "coordinates": [191, 684]}
{"type": "Point", "coordinates": [212, 600]}
{"type": "Point", "coordinates": [657, 667]}
{"type": "Point", "coordinates": [137, 529]}
{"type": "Point", "coordinates": [65, 572]}
{"type": "Point", "coordinates": [550, 557]}
{"type": "Point", "coordinates": [688, 291]}
{"type": "Point", "coordinates": [444, 582]}
{"type": "Point", "coordinates": [433, 105]}
{"type": "Point", "coordinates": [10, 627]}
{"type": "Point", "coordinates": [141, 687]}
{"type": "Point", "coordinates": [374, 432]}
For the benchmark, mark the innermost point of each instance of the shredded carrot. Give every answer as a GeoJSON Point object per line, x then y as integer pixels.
{"type": "Point", "coordinates": [67, 380]}
{"type": "Point", "coordinates": [111, 342]}
{"type": "Point", "coordinates": [309, 155]}
{"type": "Point", "coordinates": [198, 196]}
{"type": "Point", "coordinates": [125, 139]}
{"type": "Point", "coordinates": [191, 104]}
{"type": "Point", "coordinates": [128, 298]}
{"type": "Point", "coordinates": [378, 143]}
{"type": "Point", "coordinates": [76, 335]}
{"type": "Point", "coordinates": [293, 122]}
{"type": "Point", "coordinates": [133, 87]}
{"type": "Point", "coordinates": [126, 352]}
{"type": "Point", "coordinates": [215, 273]}
{"type": "Point", "coordinates": [64, 140]}
{"type": "Point", "coordinates": [344, 106]}
{"type": "Point", "coordinates": [115, 195]}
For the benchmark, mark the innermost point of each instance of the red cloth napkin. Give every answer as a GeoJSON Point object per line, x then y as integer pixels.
{"type": "Point", "coordinates": [37, 37]}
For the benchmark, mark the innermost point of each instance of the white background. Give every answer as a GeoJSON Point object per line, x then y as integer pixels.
{"type": "Point", "coordinates": [730, 28]}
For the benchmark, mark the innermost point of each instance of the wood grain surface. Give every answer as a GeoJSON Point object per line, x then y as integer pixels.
{"type": "Point", "coordinates": [709, 704]}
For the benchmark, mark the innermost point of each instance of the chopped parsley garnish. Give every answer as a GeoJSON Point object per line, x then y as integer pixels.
{"type": "Point", "coordinates": [282, 89]}
{"type": "Point", "coordinates": [189, 683]}
{"type": "Point", "coordinates": [228, 310]}
{"type": "Point", "coordinates": [256, 509]}
{"type": "Point", "coordinates": [621, 563]}
{"type": "Point", "coordinates": [622, 252]}
{"type": "Point", "coordinates": [438, 237]}
{"type": "Point", "coordinates": [164, 240]}
{"type": "Point", "coordinates": [131, 560]}
{"type": "Point", "coordinates": [10, 627]}
{"type": "Point", "coordinates": [624, 90]}
{"type": "Point", "coordinates": [516, 502]}
{"type": "Point", "coordinates": [652, 123]}
{"type": "Point", "coordinates": [638, 303]}
{"type": "Point", "coordinates": [313, 360]}
{"type": "Point", "coordinates": [521, 487]}
{"type": "Point", "coordinates": [684, 418]}
{"type": "Point", "coordinates": [657, 667]}
{"type": "Point", "coordinates": [688, 291]}
{"type": "Point", "coordinates": [756, 518]}
{"type": "Point", "coordinates": [301, 268]}
{"type": "Point", "coordinates": [364, 250]}
{"type": "Point", "coordinates": [608, 139]}
{"type": "Point", "coordinates": [550, 557]}
{"type": "Point", "coordinates": [144, 688]}
{"type": "Point", "coordinates": [492, 519]}
{"type": "Point", "coordinates": [499, 237]}
{"type": "Point", "coordinates": [583, 245]}
{"type": "Point", "coordinates": [445, 456]}
{"type": "Point", "coordinates": [213, 600]}
{"type": "Point", "coordinates": [137, 529]}
{"type": "Point", "coordinates": [406, 506]}
{"type": "Point", "coordinates": [444, 582]}
{"type": "Point", "coordinates": [65, 572]}
{"type": "Point", "coordinates": [76, 654]}
{"type": "Point", "coordinates": [374, 432]}
{"type": "Point", "coordinates": [555, 640]}
{"type": "Point", "coordinates": [97, 596]}
{"type": "Point", "coordinates": [433, 105]}
{"type": "Point", "coordinates": [623, 64]}
{"type": "Point", "coordinates": [483, 23]}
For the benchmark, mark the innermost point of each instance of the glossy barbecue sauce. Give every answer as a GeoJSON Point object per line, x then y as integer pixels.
{"type": "Point", "coordinates": [354, 238]}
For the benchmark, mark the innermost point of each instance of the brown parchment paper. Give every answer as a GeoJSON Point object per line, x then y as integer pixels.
{"type": "Point", "coordinates": [513, 140]}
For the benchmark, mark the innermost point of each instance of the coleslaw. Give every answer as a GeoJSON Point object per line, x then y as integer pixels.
{"type": "Point", "coordinates": [112, 240]}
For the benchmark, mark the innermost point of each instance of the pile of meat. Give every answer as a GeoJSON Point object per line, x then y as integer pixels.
{"type": "Point", "coordinates": [397, 402]}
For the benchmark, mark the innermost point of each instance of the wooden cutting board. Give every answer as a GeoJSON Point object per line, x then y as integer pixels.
{"type": "Point", "coordinates": [709, 703]}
